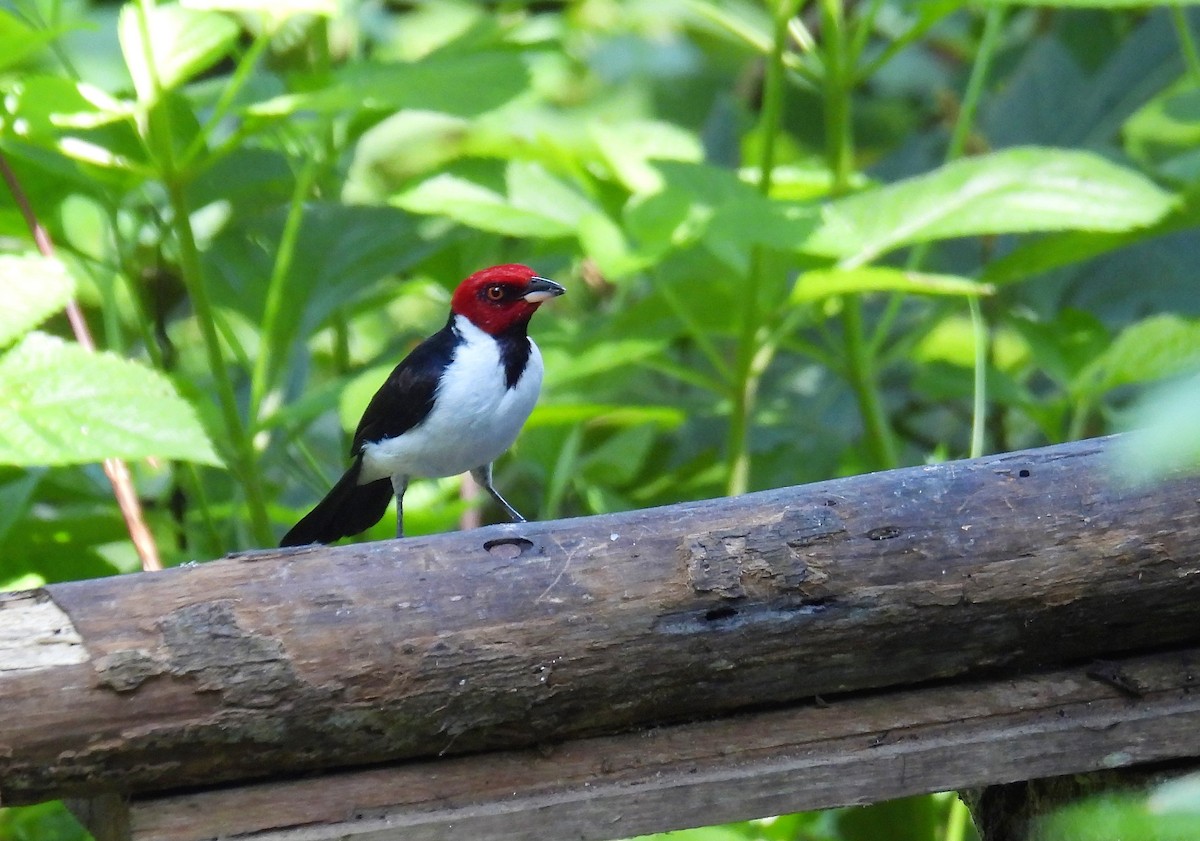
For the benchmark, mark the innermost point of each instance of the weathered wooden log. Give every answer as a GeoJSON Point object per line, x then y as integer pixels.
{"type": "Point", "coordinates": [277, 662]}
{"type": "Point", "coordinates": [859, 749]}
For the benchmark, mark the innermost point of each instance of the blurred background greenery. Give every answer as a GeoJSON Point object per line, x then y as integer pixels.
{"type": "Point", "coordinates": [801, 240]}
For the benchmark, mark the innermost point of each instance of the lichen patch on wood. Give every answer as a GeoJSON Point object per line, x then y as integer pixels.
{"type": "Point", "coordinates": [734, 563]}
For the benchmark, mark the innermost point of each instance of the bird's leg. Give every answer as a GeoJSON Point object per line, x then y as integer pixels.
{"type": "Point", "coordinates": [483, 475]}
{"type": "Point", "coordinates": [399, 486]}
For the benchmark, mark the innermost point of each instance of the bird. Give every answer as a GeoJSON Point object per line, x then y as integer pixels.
{"type": "Point", "coordinates": [453, 405]}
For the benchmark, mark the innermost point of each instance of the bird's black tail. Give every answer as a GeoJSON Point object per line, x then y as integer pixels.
{"type": "Point", "coordinates": [347, 509]}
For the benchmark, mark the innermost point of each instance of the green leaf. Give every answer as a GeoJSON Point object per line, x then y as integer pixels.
{"type": "Point", "coordinates": [18, 41]}
{"type": "Point", "coordinates": [451, 83]}
{"type": "Point", "coordinates": [538, 204]}
{"type": "Point", "coordinates": [35, 287]}
{"type": "Point", "coordinates": [605, 414]}
{"type": "Point", "coordinates": [277, 10]}
{"type": "Point", "coordinates": [1151, 349]}
{"type": "Point", "coordinates": [818, 284]}
{"type": "Point", "coordinates": [1166, 125]}
{"type": "Point", "coordinates": [1014, 191]}
{"type": "Point", "coordinates": [16, 495]}
{"type": "Point", "coordinates": [60, 404]}
{"type": "Point", "coordinates": [629, 147]}
{"type": "Point", "coordinates": [709, 204]}
{"type": "Point", "coordinates": [183, 42]}
{"type": "Point", "coordinates": [477, 207]}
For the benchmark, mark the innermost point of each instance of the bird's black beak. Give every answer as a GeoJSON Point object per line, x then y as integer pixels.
{"type": "Point", "coordinates": [540, 289]}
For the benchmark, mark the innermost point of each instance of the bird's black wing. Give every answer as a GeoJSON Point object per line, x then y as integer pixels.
{"type": "Point", "coordinates": [406, 397]}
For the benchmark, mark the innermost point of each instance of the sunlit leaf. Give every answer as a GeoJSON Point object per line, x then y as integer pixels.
{"type": "Point", "coordinates": [60, 404]}
{"type": "Point", "coordinates": [276, 9]}
{"type": "Point", "coordinates": [818, 284]}
{"type": "Point", "coordinates": [605, 414]}
{"type": "Point", "coordinates": [1151, 349]}
{"type": "Point", "coordinates": [34, 287]}
{"type": "Point", "coordinates": [18, 41]}
{"type": "Point", "coordinates": [1014, 191]}
{"type": "Point", "coordinates": [463, 85]}
{"type": "Point", "coordinates": [528, 214]}
{"type": "Point", "coordinates": [628, 148]}
{"type": "Point", "coordinates": [182, 41]}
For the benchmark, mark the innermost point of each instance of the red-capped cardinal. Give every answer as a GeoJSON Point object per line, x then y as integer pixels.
{"type": "Point", "coordinates": [452, 405]}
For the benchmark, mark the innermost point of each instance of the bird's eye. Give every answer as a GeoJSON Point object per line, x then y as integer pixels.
{"type": "Point", "coordinates": [494, 293]}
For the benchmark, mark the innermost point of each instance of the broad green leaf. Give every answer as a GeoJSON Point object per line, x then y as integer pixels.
{"type": "Point", "coordinates": [342, 251]}
{"type": "Point", "coordinates": [818, 284]}
{"type": "Point", "coordinates": [1167, 124]}
{"type": "Point", "coordinates": [563, 367]}
{"type": "Point", "coordinates": [532, 187]}
{"type": "Point", "coordinates": [1014, 191]}
{"type": "Point", "coordinates": [628, 148]}
{"type": "Point", "coordinates": [1151, 349]}
{"type": "Point", "coordinates": [18, 41]}
{"type": "Point", "coordinates": [276, 9]}
{"type": "Point", "coordinates": [605, 414]}
{"type": "Point", "coordinates": [182, 41]}
{"type": "Point", "coordinates": [618, 460]}
{"type": "Point", "coordinates": [478, 207]}
{"type": "Point", "coordinates": [75, 119]}
{"type": "Point", "coordinates": [702, 202]}
{"type": "Point", "coordinates": [603, 241]}
{"type": "Point", "coordinates": [952, 340]}
{"type": "Point", "coordinates": [60, 404]}
{"type": "Point", "coordinates": [34, 287]}
{"type": "Point", "coordinates": [457, 84]}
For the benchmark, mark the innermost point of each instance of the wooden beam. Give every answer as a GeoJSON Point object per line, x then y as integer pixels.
{"type": "Point", "coordinates": [510, 636]}
{"type": "Point", "coordinates": [855, 750]}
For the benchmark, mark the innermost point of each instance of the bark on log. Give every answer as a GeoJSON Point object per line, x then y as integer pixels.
{"type": "Point", "coordinates": [508, 636]}
{"type": "Point", "coordinates": [852, 750]}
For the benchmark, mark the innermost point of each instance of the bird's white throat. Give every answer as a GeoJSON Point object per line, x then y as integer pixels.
{"type": "Point", "coordinates": [475, 415]}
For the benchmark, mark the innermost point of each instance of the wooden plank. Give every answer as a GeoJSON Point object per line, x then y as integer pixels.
{"type": "Point", "coordinates": [517, 635]}
{"type": "Point", "coordinates": [849, 751]}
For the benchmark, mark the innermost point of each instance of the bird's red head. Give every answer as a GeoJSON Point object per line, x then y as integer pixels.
{"type": "Point", "coordinates": [498, 298]}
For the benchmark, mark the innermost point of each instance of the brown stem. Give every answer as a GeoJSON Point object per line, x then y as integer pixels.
{"type": "Point", "coordinates": [114, 468]}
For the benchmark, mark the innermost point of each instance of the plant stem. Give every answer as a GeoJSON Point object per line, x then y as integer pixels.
{"type": "Point", "coordinates": [753, 357]}
{"type": "Point", "coordinates": [160, 140]}
{"type": "Point", "coordinates": [839, 152]}
{"type": "Point", "coordinates": [237, 81]}
{"type": "Point", "coordinates": [988, 43]}
{"type": "Point", "coordinates": [277, 288]}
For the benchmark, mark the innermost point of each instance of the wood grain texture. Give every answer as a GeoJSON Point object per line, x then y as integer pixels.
{"type": "Point", "coordinates": [283, 661]}
{"type": "Point", "coordinates": [856, 750]}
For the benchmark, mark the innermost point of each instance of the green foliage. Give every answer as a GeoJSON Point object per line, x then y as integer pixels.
{"type": "Point", "coordinates": [64, 405]}
{"type": "Point", "coordinates": [1170, 812]}
{"type": "Point", "coordinates": [918, 230]}
{"type": "Point", "coordinates": [35, 289]}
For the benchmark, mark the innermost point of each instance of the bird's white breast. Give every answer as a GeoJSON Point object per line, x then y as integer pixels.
{"type": "Point", "coordinates": [474, 419]}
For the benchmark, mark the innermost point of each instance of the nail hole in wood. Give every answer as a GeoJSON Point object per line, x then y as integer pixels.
{"type": "Point", "coordinates": [507, 547]}
{"type": "Point", "coordinates": [884, 533]}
